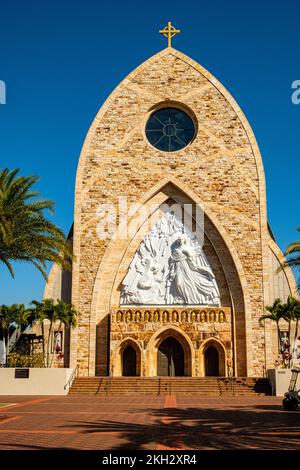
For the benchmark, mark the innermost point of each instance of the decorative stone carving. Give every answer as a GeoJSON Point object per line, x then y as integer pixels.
{"type": "Point", "coordinates": [170, 268]}
{"type": "Point", "coordinates": [181, 315]}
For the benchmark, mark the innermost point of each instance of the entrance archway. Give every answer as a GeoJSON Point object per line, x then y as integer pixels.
{"type": "Point", "coordinates": [170, 358]}
{"type": "Point", "coordinates": [129, 368]}
{"type": "Point", "coordinates": [187, 351]}
{"type": "Point", "coordinates": [212, 362]}
{"type": "Point", "coordinates": [212, 359]}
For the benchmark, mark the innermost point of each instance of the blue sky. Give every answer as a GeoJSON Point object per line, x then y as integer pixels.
{"type": "Point", "coordinates": [61, 59]}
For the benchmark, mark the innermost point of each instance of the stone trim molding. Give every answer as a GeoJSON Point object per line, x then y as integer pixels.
{"type": "Point", "coordinates": [170, 315]}
{"type": "Point", "coordinates": [288, 272]}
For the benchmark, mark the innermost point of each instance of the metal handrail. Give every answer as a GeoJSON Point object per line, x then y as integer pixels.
{"type": "Point", "coordinates": [108, 385]}
{"type": "Point", "coordinates": [293, 382]}
{"type": "Point", "coordinates": [71, 379]}
{"type": "Point", "coordinates": [231, 381]}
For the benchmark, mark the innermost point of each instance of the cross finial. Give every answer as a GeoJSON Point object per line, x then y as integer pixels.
{"type": "Point", "coordinates": [169, 32]}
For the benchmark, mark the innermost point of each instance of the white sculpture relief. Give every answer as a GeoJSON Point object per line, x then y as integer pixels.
{"type": "Point", "coordinates": [170, 268]}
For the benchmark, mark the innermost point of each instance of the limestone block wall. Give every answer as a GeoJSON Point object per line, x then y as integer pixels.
{"type": "Point", "coordinates": [221, 168]}
{"type": "Point", "coordinates": [145, 328]}
{"type": "Point", "coordinates": [114, 266]}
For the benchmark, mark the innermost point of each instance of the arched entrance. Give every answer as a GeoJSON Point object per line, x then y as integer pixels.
{"type": "Point", "coordinates": [170, 358]}
{"type": "Point", "coordinates": [156, 343]}
{"type": "Point", "coordinates": [212, 362]}
{"type": "Point", "coordinates": [213, 358]}
{"type": "Point", "coordinates": [129, 362]}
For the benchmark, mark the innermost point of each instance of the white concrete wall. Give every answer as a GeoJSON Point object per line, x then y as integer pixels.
{"type": "Point", "coordinates": [40, 382]}
{"type": "Point", "coordinates": [280, 381]}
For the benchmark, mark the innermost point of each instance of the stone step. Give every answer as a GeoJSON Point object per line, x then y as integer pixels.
{"type": "Point", "coordinates": [198, 386]}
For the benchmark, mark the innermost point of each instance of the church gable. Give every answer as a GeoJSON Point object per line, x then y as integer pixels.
{"type": "Point", "coordinates": [123, 115]}
{"type": "Point", "coordinates": [221, 166]}
{"type": "Point", "coordinates": [163, 75]}
{"type": "Point", "coordinates": [220, 156]}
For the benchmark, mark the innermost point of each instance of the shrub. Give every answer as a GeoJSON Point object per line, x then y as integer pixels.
{"type": "Point", "coordinates": [22, 360]}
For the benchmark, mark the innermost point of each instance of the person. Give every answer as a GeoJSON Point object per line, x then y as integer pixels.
{"type": "Point", "coordinates": [148, 287]}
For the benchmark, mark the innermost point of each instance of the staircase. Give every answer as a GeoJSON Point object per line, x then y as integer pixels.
{"type": "Point", "coordinates": [245, 386]}
{"type": "Point", "coordinates": [196, 386]}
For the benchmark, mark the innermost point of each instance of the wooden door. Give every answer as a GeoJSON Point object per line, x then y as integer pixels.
{"type": "Point", "coordinates": [212, 362]}
{"type": "Point", "coordinates": [170, 360]}
{"type": "Point", "coordinates": [129, 361]}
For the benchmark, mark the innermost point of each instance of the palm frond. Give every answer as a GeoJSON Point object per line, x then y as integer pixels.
{"type": "Point", "coordinates": [25, 232]}
{"type": "Point", "coordinates": [9, 266]}
{"type": "Point", "coordinates": [293, 248]}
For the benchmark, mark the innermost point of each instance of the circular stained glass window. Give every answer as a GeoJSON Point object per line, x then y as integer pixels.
{"type": "Point", "coordinates": [170, 129]}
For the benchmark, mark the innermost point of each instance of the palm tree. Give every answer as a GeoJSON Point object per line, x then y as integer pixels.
{"type": "Point", "coordinates": [46, 310]}
{"type": "Point", "coordinates": [16, 315]}
{"type": "Point", "coordinates": [66, 315]}
{"type": "Point", "coordinates": [275, 315]}
{"type": "Point", "coordinates": [25, 233]}
{"type": "Point", "coordinates": [53, 312]}
{"type": "Point", "coordinates": [37, 312]}
{"type": "Point", "coordinates": [290, 311]}
{"type": "Point", "coordinates": [293, 257]}
{"type": "Point", "coordinates": [7, 314]}
{"type": "Point", "coordinates": [297, 318]}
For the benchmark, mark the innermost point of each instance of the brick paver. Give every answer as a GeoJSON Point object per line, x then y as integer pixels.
{"type": "Point", "coordinates": [147, 422]}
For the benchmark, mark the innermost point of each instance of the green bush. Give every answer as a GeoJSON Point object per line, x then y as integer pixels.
{"type": "Point", "coordinates": [22, 360]}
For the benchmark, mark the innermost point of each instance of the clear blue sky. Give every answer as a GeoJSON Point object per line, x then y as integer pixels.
{"type": "Point", "coordinates": [61, 59]}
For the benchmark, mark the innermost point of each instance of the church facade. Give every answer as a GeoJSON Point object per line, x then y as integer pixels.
{"type": "Point", "coordinates": [158, 293]}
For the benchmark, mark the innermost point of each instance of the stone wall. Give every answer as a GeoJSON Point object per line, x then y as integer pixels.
{"type": "Point", "coordinates": [220, 169]}
{"type": "Point", "coordinates": [139, 326]}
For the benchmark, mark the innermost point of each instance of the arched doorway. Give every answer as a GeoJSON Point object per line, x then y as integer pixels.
{"type": "Point", "coordinates": [212, 362]}
{"type": "Point", "coordinates": [129, 362]}
{"type": "Point", "coordinates": [170, 358]}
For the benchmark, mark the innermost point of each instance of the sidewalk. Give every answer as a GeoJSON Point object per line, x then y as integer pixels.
{"type": "Point", "coordinates": [147, 422]}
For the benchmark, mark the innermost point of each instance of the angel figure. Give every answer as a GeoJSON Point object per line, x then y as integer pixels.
{"type": "Point", "coordinates": [143, 286]}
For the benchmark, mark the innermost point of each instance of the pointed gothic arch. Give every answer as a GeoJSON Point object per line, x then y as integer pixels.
{"type": "Point", "coordinates": [156, 341]}
{"type": "Point", "coordinates": [106, 294]}
{"type": "Point", "coordinates": [215, 349]}
{"type": "Point", "coordinates": [122, 369]}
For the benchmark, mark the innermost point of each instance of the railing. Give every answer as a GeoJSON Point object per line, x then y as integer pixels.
{"type": "Point", "coordinates": [108, 384]}
{"type": "Point", "coordinates": [71, 379]}
{"type": "Point", "coordinates": [99, 387]}
{"type": "Point", "coordinates": [231, 380]}
{"type": "Point", "coordinates": [232, 385]}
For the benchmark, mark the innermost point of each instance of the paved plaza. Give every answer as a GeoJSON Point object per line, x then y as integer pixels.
{"type": "Point", "coordinates": [146, 423]}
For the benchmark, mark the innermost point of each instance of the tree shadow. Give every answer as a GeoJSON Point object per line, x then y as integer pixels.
{"type": "Point", "coordinates": [254, 427]}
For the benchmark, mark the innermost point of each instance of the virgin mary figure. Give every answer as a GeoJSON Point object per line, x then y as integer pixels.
{"type": "Point", "coordinates": [190, 280]}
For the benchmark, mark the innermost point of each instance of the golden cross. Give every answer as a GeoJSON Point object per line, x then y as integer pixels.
{"type": "Point", "coordinates": [169, 32]}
